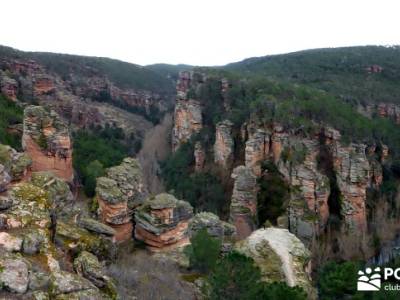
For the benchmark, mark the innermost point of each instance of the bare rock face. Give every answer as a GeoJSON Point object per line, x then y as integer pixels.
{"type": "Point", "coordinates": [47, 141]}
{"type": "Point", "coordinates": [199, 157]}
{"type": "Point", "coordinates": [162, 222]}
{"type": "Point", "coordinates": [119, 192]}
{"type": "Point", "coordinates": [187, 118]}
{"type": "Point", "coordinates": [281, 256]}
{"type": "Point", "coordinates": [243, 210]}
{"type": "Point", "coordinates": [354, 175]}
{"type": "Point", "coordinates": [223, 147]}
{"type": "Point", "coordinates": [8, 86]}
{"type": "Point", "coordinates": [308, 209]}
{"type": "Point", "coordinates": [257, 150]}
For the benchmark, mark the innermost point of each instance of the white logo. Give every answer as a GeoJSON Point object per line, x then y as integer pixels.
{"type": "Point", "coordinates": [369, 280]}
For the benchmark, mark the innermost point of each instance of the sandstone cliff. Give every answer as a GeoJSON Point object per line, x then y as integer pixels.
{"type": "Point", "coordinates": [224, 144]}
{"type": "Point", "coordinates": [46, 139]}
{"type": "Point", "coordinates": [187, 118]}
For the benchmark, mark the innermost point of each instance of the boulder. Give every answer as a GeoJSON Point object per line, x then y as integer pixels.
{"type": "Point", "coordinates": [9, 242]}
{"type": "Point", "coordinates": [5, 179]}
{"type": "Point", "coordinates": [280, 255]}
{"type": "Point", "coordinates": [215, 227]}
{"type": "Point", "coordinates": [88, 266]}
{"type": "Point", "coordinates": [14, 275]}
{"type": "Point", "coordinates": [65, 283]}
{"type": "Point", "coordinates": [96, 226]}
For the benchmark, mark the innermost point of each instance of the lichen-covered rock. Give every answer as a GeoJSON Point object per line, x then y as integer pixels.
{"type": "Point", "coordinates": [58, 191]}
{"type": "Point", "coordinates": [280, 255]}
{"type": "Point", "coordinates": [223, 147]}
{"type": "Point", "coordinates": [88, 266]}
{"type": "Point", "coordinates": [5, 203]}
{"type": "Point", "coordinates": [162, 222]}
{"type": "Point", "coordinates": [129, 178]}
{"type": "Point", "coordinates": [9, 242]}
{"type": "Point", "coordinates": [243, 210]}
{"type": "Point", "coordinates": [96, 226]}
{"type": "Point", "coordinates": [33, 241]}
{"type": "Point", "coordinates": [14, 275]}
{"type": "Point", "coordinates": [215, 227]}
{"type": "Point", "coordinates": [75, 239]}
{"type": "Point", "coordinates": [13, 165]}
{"type": "Point", "coordinates": [65, 283]}
{"type": "Point", "coordinates": [30, 207]}
{"type": "Point", "coordinates": [47, 141]}
{"type": "Point", "coordinates": [120, 191]}
{"type": "Point", "coordinates": [5, 179]}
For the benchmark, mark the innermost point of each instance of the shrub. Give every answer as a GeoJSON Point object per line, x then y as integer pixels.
{"type": "Point", "coordinates": [236, 277]}
{"type": "Point", "coordinates": [204, 251]}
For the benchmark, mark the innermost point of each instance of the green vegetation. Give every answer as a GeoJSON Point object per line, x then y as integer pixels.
{"type": "Point", "coordinates": [339, 71]}
{"type": "Point", "coordinates": [339, 281]}
{"type": "Point", "coordinates": [10, 114]}
{"type": "Point", "coordinates": [236, 277]}
{"type": "Point", "coordinates": [95, 150]}
{"type": "Point", "coordinates": [273, 194]}
{"type": "Point", "coordinates": [204, 251]}
{"type": "Point", "coordinates": [202, 190]}
{"type": "Point", "coordinates": [122, 74]}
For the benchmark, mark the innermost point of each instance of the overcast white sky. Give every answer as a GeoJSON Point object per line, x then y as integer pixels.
{"type": "Point", "coordinates": [198, 32]}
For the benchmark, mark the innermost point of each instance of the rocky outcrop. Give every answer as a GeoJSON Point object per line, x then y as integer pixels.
{"type": "Point", "coordinates": [214, 226]}
{"type": "Point", "coordinates": [187, 118]}
{"type": "Point", "coordinates": [257, 150]}
{"type": "Point", "coordinates": [14, 166]}
{"type": "Point", "coordinates": [73, 95]}
{"type": "Point", "coordinates": [162, 222]}
{"type": "Point", "coordinates": [243, 210]}
{"type": "Point", "coordinates": [88, 266]}
{"type": "Point", "coordinates": [199, 157]}
{"type": "Point", "coordinates": [119, 192]}
{"type": "Point", "coordinates": [47, 141]}
{"type": "Point", "coordinates": [224, 145]}
{"type": "Point", "coordinates": [8, 86]}
{"type": "Point", "coordinates": [354, 174]}
{"type": "Point", "coordinates": [281, 256]}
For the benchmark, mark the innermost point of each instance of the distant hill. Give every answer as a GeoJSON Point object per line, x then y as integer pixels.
{"type": "Point", "coordinates": [368, 73]}
{"type": "Point", "coordinates": [122, 74]}
{"type": "Point", "coordinates": [169, 71]}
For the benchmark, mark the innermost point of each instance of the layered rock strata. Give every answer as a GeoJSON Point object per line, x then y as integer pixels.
{"type": "Point", "coordinates": [162, 222]}
{"type": "Point", "coordinates": [47, 141]}
{"type": "Point", "coordinates": [188, 113]}
{"type": "Point", "coordinates": [119, 192]}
